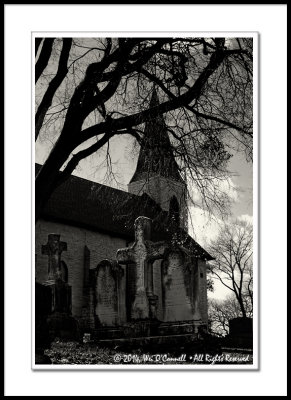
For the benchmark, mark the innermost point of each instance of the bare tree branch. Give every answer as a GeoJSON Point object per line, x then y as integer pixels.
{"type": "Point", "coordinates": [53, 86]}
{"type": "Point", "coordinates": [44, 57]}
{"type": "Point", "coordinates": [106, 92]}
{"type": "Point", "coordinates": [232, 265]}
{"type": "Point", "coordinates": [37, 44]}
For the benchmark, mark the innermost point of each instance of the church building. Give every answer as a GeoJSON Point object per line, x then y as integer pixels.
{"type": "Point", "coordinates": [129, 265]}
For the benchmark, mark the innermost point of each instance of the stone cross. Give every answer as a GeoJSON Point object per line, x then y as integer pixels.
{"type": "Point", "coordinates": [53, 249]}
{"type": "Point", "coordinates": [143, 252]}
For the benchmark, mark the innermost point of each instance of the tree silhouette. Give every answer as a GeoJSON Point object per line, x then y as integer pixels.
{"type": "Point", "coordinates": [90, 90]}
{"type": "Point", "coordinates": [233, 266]}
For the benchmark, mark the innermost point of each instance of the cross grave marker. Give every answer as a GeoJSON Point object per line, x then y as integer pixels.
{"type": "Point", "coordinates": [143, 252]}
{"type": "Point", "coordinates": [53, 249]}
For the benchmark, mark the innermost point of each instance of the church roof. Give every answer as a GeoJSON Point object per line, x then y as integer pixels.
{"type": "Point", "coordinates": [156, 155]}
{"type": "Point", "coordinates": [91, 205]}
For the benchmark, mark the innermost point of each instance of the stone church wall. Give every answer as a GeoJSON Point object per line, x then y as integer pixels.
{"type": "Point", "coordinates": [158, 291]}
{"type": "Point", "coordinates": [203, 290]}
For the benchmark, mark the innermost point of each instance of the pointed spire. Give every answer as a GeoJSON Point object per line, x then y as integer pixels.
{"type": "Point", "coordinates": [156, 155]}
{"type": "Point", "coordinates": [154, 99]}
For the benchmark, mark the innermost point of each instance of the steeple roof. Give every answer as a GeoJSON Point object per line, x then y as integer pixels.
{"type": "Point", "coordinates": [156, 155]}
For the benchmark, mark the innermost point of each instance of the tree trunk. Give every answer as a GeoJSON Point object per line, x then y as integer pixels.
{"type": "Point", "coordinates": [44, 57]}
{"type": "Point", "coordinates": [48, 177]}
{"type": "Point", "coordinates": [242, 307]}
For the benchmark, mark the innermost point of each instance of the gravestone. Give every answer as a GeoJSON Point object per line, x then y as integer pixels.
{"type": "Point", "coordinates": [179, 297]}
{"type": "Point", "coordinates": [53, 249]}
{"type": "Point", "coordinates": [61, 291]}
{"type": "Point", "coordinates": [240, 332]}
{"type": "Point", "coordinates": [180, 276]}
{"type": "Point", "coordinates": [107, 293]}
{"type": "Point", "coordinates": [60, 322]}
{"type": "Point", "coordinates": [43, 300]}
{"type": "Point", "coordinates": [142, 253]}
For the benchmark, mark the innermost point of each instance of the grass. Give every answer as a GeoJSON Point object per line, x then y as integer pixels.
{"type": "Point", "coordinates": [72, 353]}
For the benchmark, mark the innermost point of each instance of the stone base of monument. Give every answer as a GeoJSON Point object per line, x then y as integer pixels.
{"type": "Point", "coordinates": [140, 328]}
{"type": "Point", "coordinates": [240, 333]}
{"type": "Point", "coordinates": [61, 295]}
{"type": "Point", "coordinates": [108, 333]}
{"type": "Point", "coordinates": [43, 301]}
{"type": "Point", "coordinates": [178, 328]}
{"type": "Point", "coordinates": [63, 326]}
{"type": "Point", "coordinates": [168, 341]}
{"type": "Point", "coordinates": [151, 331]}
{"type": "Point", "coordinates": [131, 329]}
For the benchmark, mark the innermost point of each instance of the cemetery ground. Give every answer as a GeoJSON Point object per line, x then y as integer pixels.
{"type": "Point", "coordinates": [74, 352]}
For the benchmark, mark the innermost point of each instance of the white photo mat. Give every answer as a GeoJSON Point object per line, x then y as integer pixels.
{"type": "Point", "coordinates": [28, 19]}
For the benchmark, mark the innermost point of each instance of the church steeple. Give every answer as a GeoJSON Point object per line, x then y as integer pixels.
{"type": "Point", "coordinates": [156, 155]}
{"type": "Point", "coordinates": [157, 172]}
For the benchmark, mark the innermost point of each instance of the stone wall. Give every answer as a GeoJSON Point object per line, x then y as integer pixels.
{"type": "Point", "coordinates": [158, 290]}
{"type": "Point", "coordinates": [177, 303]}
{"type": "Point", "coordinates": [130, 286]}
{"type": "Point", "coordinates": [203, 290]}
{"type": "Point", "coordinates": [101, 246]}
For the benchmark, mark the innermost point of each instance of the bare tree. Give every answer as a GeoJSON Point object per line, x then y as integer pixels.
{"type": "Point", "coordinates": [232, 267]}
{"type": "Point", "coordinates": [90, 90]}
{"type": "Point", "coordinates": [220, 312]}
